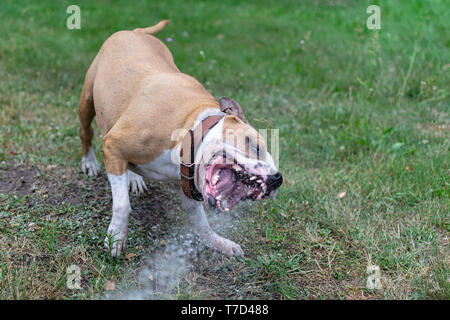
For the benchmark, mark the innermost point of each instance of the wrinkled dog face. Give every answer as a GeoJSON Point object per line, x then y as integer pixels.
{"type": "Point", "coordinates": [235, 164]}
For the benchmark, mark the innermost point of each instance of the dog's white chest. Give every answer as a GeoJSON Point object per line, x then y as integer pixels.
{"type": "Point", "coordinates": [162, 168]}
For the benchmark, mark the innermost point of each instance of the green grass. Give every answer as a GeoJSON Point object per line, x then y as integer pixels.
{"type": "Point", "coordinates": [359, 111]}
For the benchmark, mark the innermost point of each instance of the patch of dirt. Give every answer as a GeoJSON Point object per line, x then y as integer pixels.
{"type": "Point", "coordinates": [17, 180]}
{"type": "Point", "coordinates": [54, 185]}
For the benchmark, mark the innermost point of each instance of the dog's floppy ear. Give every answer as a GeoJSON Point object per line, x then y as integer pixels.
{"type": "Point", "coordinates": [231, 107]}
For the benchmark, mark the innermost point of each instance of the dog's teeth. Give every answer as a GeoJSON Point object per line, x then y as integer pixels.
{"type": "Point", "coordinates": [216, 177]}
{"type": "Point", "coordinates": [253, 178]}
{"type": "Point", "coordinates": [259, 181]}
{"type": "Point", "coordinates": [219, 197]}
{"type": "Point", "coordinates": [236, 167]}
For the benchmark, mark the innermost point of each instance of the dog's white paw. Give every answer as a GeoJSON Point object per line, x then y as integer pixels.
{"type": "Point", "coordinates": [89, 164]}
{"type": "Point", "coordinates": [136, 182]}
{"type": "Point", "coordinates": [225, 246]}
{"type": "Point", "coordinates": [116, 240]}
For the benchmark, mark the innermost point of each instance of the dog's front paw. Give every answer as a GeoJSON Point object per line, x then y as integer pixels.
{"type": "Point", "coordinates": [225, 246]}
{"type": "Point", "coordinates": [136, 183]}
{"type": "Point", "coordinates": [89, 164]}
{"type": "Point", "coordinates": [116, 240]}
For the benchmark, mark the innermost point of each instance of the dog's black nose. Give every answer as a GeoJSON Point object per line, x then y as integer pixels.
{"type": "Point", "coordinates": [274, 181]}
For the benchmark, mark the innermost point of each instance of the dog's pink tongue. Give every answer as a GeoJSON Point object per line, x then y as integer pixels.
{"type": "Point", "coordinates": [225, 179]}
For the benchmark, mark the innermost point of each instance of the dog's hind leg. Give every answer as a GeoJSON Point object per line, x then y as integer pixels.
{"type": "Point", "coordinates": [86, 113]}
{"type": "Point", "coordinates": [136, 182]}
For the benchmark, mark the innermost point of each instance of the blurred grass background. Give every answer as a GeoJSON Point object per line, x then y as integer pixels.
{"type": "Point", "coordinates": [359, 111]}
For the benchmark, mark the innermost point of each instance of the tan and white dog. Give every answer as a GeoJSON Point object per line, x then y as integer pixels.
{"type": "Point", "coordinates": [140, 100]}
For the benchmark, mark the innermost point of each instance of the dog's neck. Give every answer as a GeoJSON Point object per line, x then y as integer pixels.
{"type": "Point", "coordinates": [206, 113]}
{"type": "Point", "coordinates": [191, 143]}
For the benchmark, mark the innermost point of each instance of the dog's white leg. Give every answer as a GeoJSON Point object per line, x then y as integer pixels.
{"type": "Point", "coordinates": [89, 163]}
{"type": "Point", "coordinates": [212, 239]}
{"type": "Point", "coordinates": [135, 182]}
{"type": "Point", "coordinates": [116, 238]}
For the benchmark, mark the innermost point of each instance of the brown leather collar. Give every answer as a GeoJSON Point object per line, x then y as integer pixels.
{"type": "Point", "coordinates": [189, 146]}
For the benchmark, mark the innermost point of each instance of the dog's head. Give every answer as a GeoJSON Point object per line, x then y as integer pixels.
{"type": "Point", "coordinates": [234, 164]}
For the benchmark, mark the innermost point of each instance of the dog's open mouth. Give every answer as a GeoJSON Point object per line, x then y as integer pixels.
{"type": "Point", "coordinates": [227, 184]}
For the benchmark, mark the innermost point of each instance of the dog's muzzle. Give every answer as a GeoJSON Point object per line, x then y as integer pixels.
{"type": "Point", "coordinates": [274, 181]}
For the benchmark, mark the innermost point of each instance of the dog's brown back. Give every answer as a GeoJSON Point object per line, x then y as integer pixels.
{"type": "Point", "coordinates": [132, 78]}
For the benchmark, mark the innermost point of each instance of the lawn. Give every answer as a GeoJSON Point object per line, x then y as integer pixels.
{"type": "Point", "coordinates": [364, 128]}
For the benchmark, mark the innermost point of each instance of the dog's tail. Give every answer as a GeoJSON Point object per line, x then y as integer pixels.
{"type": "Point", "coordinates": [153, 29]}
